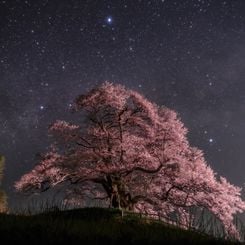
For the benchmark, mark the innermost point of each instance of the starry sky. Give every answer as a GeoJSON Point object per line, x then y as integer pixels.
{"type": "Point", "coordinates": [186, 54]}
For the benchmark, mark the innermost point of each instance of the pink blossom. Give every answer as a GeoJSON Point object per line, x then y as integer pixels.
{"type": "Point", "coordinates": [137, 156]}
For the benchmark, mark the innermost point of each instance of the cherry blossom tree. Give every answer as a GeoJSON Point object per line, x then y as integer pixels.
{"type": "Point", "coordinates": [136, 155]}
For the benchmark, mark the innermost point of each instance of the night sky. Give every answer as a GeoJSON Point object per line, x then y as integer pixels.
{"type": "Point", "coordinates": [188, 55]}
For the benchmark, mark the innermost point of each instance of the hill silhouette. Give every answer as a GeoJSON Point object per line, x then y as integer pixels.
{"type": "Point", "coordinates": [95, 226]}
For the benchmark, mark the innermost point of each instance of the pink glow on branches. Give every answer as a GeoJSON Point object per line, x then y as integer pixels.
{"type": "Point", "coordinates": [135, 154]}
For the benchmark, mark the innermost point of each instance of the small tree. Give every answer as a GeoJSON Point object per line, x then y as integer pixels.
{"type": "Point", "coordinates": [3, 196]}
{"type": "Point", "coordinates": [136, 155]}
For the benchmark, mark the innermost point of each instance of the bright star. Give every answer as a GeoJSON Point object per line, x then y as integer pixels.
{"type": "Point", "coordinates": [211, 140]}
{"type": "Point", "coordinates": [109, 20]}
{"type": "Point", "coordinates": [41, 107]}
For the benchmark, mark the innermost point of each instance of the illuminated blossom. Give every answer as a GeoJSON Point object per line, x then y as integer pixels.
{"type": "Point", "coordinates": [136, 155]}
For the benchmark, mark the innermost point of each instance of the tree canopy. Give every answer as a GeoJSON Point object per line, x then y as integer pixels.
{"type": "Point", "coordinates": [136, 155]}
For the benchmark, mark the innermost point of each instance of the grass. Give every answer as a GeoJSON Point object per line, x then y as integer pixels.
{"type": "Point", "coordinates": [94, 226]}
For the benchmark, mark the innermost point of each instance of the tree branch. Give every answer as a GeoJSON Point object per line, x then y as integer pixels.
{"type": "Point", "coordinates": [142, 198]}
{"type": "Point", "coordinates": [148, 171]}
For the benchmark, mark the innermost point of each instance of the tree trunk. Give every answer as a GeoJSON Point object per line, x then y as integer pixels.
{"type": "Point", "coordinates": [117, 194]}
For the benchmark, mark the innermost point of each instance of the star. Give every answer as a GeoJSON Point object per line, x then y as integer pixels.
{"type": "Point", "coordinates": [109, 20]}
{"type": "Point", "coordinates": [189, 62]}
{"type": "Point", "coordinates": [131, 48]}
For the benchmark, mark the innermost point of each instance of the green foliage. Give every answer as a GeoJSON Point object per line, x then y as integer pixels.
{"type": "Point", "coordinates": [3, 201]}
{"type": "Point", "coordinates": [95, 226]}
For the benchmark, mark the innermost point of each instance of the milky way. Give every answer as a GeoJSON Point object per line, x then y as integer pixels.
{"type": "Point", "coordinates": [187, 55]}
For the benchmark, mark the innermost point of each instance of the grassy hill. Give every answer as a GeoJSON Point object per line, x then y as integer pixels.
{"type": "Point", "coordinates": [94, 226]}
